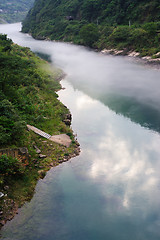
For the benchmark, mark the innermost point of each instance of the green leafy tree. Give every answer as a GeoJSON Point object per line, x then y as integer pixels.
{"type": "Point", "coordinates": [150, 28]}
{"type": "Point", "coordinates": [120, 33]}
{"type": "Point", "coordinates": [138, 38]}
{"type": "Point", "coordinates": [89, 33]}
{"type": "Point", "coordinates": [91, 9]}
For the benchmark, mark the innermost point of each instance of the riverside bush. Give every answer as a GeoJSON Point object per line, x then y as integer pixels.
{"type": "Point", "coordinates": [89, 34]}
{"type": "Point", "coordinates": [10, 165]}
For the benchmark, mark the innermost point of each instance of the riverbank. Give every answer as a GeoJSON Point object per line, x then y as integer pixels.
{"type": "Point", "coordinates": [19, 189]}
{"type": "Point", "coordinates": [43, 154]}
{"type": "Point", "coordinates": [151, 60]}
{"type": "Point", "coordinates": [28, 97]}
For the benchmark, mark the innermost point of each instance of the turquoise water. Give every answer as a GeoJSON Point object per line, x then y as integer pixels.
{"type": "Point", "coordinates": [112, 190]}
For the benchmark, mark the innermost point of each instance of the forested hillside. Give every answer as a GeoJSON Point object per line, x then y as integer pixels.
{"type": "Point", "coordinates": [14, 10]}
{"type": "Point", "coordinates": [98, 23]}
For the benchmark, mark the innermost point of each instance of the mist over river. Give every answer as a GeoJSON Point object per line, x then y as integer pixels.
{"type": "Point", "coordinates": [112, 190]}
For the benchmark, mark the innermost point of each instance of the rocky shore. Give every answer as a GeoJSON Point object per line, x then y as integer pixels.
{"type": "Point", "coordinates": [152, 60]}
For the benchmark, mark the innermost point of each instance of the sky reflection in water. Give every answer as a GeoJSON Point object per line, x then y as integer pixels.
{"type": "Point", "coordinates": [112, 190]}
{"type": "Point", "coordinates": [128, 88]}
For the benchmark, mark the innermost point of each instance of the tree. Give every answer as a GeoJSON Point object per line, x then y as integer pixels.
{"type": "Point", "coordinates": [89, 34]}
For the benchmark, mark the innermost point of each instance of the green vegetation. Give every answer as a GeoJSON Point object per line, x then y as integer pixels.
{"type": "Point", "coordinates": [10, 165]}
{"type": "Point", "coordinates": [89, 34]}
{"type": "Point", "coordinates": [144, 38]}
{"type": "Point", "coordinates": [98, 23]}
{"type": "Point", "coordinates": [15, 10]}
{"type": "Point", "coordinates": [28, 95]}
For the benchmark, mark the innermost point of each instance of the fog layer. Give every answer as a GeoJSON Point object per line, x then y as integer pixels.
{"type": "Point", "coordinates": [127, 87]}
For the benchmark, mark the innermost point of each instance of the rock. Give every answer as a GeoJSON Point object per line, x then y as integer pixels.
{"type": "Point", "coordinates": [157, 54]}
{"type": "Point", "coordinates": [63, 139]}
{"type": "Point", "coordinates": [42, 173]}
{"type": "Point", "coordinates": [23, 150]}
{"type": "Point", "coordinates": [115, 51]}
{"type": "Point", "coordinates": [68, 116]}
{"type": "Point", "coordinates": [6, 187]}
{"type": "Point", "coordinates": [37, 149]}
{"type": "Point", "coordinates": [2, 223]}
{"type": "Point", "coordinates": [65, 159]}
{"type": "Point", "coordinates": [118, 52]}
{"type": "Point", "coordinates": [77, 143]}
{"type": "Point", "coordinates": [133, 54]}
{"type": "Point", "coordinates": [10, 217]}
{"type": "Point", "coordinates": [74, 155]}
{"type": "Point", "coordinates": [41, 167]}
{"type": "Point", "coordinates": [67, 119]}
{"type": "Point", "coordinates": [67, 122]}
{"type": "Point", "coordinates": [146, 58]}
{"type": "Point", "coordinates": [1, 194]}
{"type": "Point", "coordinates": [60, 161]}
{"type": "Point", "coordinates": [42, 156]}
{"type": "Point", "coordinates": [107, 51]}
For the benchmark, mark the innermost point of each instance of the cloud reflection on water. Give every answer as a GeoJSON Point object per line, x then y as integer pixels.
{"type": "Point", "coordinates": [125, 157]}
{"type": "Point", "coordinates": [130, 89]}
{"type": "Point", "coordinates": [120, 160]}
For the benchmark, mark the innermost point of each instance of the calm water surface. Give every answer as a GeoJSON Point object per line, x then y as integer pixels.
{"type": "Point", "coordinates": [112, 190]}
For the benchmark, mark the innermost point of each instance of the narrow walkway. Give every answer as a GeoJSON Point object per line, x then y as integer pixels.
{"type": "Point", "coordinates": [38, 131]}
{"type": "Point", "coordinates": [62, 139]}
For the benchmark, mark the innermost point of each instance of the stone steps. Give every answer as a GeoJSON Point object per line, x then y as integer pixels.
{"type": "Point", "coordinates": [39, 132]}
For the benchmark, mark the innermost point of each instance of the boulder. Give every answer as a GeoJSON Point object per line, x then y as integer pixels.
{"type": "Point", "coordinates": [42, 156]}
{"type": "Point", "coordinates": [37, 149]}
{"type": "Point", "coordinates": [1, 194]}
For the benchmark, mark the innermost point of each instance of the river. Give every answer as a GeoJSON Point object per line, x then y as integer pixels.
{"type": "Point", "coordinates": [112, 190]}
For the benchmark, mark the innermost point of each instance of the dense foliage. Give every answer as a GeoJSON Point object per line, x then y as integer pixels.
{"type": "Point", "coordinates": [114, 23]}
{"type": "Point", "coordinates": [27, 93]}
{"type": "Point", "coordinates": [15, 10]}
{"type": "Point", "coordinates": [10, 165]}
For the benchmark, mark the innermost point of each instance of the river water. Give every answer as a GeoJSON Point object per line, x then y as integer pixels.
{"type": "Point", "coordinates": [112, 190]}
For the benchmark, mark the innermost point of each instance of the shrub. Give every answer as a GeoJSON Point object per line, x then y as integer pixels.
{"type": "Point", "coordinates": [138, 37]}
{"type": "Point", "coordinates": [89, 34]}
{"type": "Point", "coordinates": [150, 28]}
{"type": "Point", "coordinates": [10, 165]}
{"type": "Point", "coordinates": [120, 34]}
{"type": "Point", "coordinates": [11, 126]}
